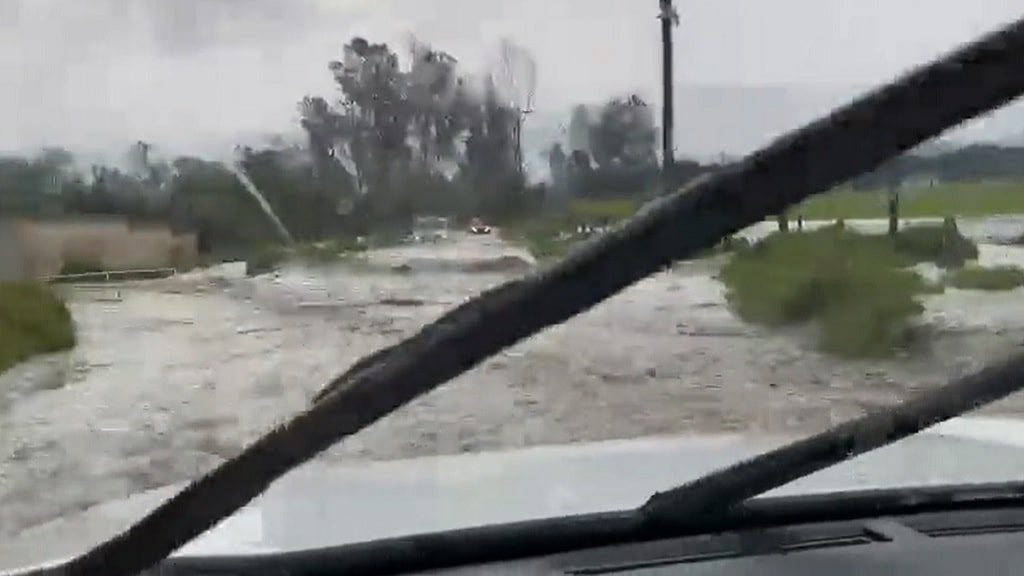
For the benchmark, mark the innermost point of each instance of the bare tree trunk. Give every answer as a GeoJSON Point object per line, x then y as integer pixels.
{"type": "Point", "coordinates": [519, 142]}
{"type": "Point", "coordinates": [894, 210]}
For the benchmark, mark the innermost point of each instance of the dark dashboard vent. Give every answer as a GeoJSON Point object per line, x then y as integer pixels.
{"type": "Point", "coordinates": [654, 563]}
{"type": "Point", "coordinates": [828, 543]}
{"type": "Point", "coordinates": [797, 546]}
{"type": "Point", "coordinates": [944, 531]}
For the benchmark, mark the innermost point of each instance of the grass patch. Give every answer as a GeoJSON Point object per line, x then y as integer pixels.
{"type": "Point", "coordinates": [853, 286]}
{"type": "Point", "coordinates": [33, 320]}
{"type": "Point", "coordinates": [597, 211]}
{"type": "Point", "coordinates": [545, 238]}
{"type": "Point", "coordinates": [730, 245]}
{"type": "Point", "coordinates": [996, 278]}
{"type": "Point", "coordinates": [944, 245]}
{"type": "Point", "coordinates": [552, 237]}
{"type": "Point", "coordinates": [964, 199]}
{"type": "Point", "coordinates": [270, 257]}
{"type": "Point", "coordinates": [265, 259]}
{"type": "Point", "coordinates": [329, 251]}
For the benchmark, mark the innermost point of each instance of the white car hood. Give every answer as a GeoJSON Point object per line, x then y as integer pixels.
{"type": "Point", "coordinates": [319, 505]}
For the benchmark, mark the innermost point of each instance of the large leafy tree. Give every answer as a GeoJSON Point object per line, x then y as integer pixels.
{"type": "Point", "coordinates": [624, 134]}
{"type": "Point", "coordinates": [418, 138]}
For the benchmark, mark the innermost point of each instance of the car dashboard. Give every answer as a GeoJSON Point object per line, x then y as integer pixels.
{"type": "Point", "coordinates": [976, 542]}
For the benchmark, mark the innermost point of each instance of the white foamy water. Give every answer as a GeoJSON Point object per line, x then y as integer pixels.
{"type": "Point", "coordinates": [172, 376]}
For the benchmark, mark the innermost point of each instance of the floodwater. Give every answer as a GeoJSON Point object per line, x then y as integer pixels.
{"type": "Point", "coordinates": [173, 376]}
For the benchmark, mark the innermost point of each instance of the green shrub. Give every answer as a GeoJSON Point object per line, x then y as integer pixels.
{"type": "Point", "coordinates": [851, 284]}
{"type": "Point", "coordinates": [542, 237]}
{"type": "Point", "coordinates": [996, 278]}
{"type": "Point", "coordinates": [730, 245]}
{"type": "Point", "coordinates": [598, 211]}
{"type": "Point", "coordinates": [33, 320]}
{"type": "Point", "coordinates": [871, 316]}
{"type": "Point", "coordinates": [265, 259]}
{"type": "Point", "coordinates": [944, 245]}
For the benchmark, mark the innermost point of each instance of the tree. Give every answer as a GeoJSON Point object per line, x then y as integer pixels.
{"type": "Point", "coordinates": [208, 198]}
{"type": "Point", "coordinates": [434, 89]}
{"type": "Point", "coordinates": [579, 129]}
{"type": "Point", "coordinates": [489, 167]}
{"type": "Point", "coordinates": [368, 132]}
{"type": "Point", "coordinates": [624, 134]}
{"type": "Point", "coordinates": [516, 83]}
{"type": "Point", "coordinates": [558, 163]}
{"type": "Point", "coordinates": [404, 135]}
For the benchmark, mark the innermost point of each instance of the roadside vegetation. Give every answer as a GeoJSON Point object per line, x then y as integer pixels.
{"type": "Point", "coordinates": [942, 245]}
{"type": "Point", "coordinates": [855, 288]}
{"type": "Point", "coordinates": [991, 279]}
{"type": "Point", "coordinates": [70, 267]}
{"type": "Point", "coordinates": [270, 257]}
{"type": "Point", "coordinates": [551, 237]}
{"type": "Point", "coordinates": [33, 320]}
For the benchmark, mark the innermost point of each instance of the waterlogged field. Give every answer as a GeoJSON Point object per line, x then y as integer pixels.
{"type": "Point", "coordinates": [551, 237]}
{"type": "Point", "coordinates": [172, 376]}
{"type": "Point", "coordinates": [970, 200]}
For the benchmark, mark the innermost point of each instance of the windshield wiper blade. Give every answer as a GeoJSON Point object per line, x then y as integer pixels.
{"type": "Point", "coordinates": [718, 491]}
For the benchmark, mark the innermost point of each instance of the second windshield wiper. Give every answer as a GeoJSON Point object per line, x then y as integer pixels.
{"type": "Point", "coordinates": [718, 491]}
{"type": "Point", "coordinates": [551, 536]}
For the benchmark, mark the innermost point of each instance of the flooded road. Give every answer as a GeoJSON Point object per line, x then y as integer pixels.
{"type": "Point", "coordinates": [171, 377]}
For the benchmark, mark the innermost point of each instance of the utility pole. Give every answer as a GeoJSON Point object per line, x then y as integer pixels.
{"type": "Point", "coordinates": [669, 18]}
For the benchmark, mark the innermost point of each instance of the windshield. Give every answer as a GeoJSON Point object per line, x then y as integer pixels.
{"type": "Point", "coordinates": [204, 209]}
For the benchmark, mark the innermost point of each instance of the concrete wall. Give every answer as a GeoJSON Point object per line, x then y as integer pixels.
{"type": "Point", "coordinates": [44, 246]}
{"type": "Point", "coordinates": [10, 257]}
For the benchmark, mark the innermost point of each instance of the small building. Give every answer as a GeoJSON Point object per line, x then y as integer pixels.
{"type": "Point", "coordinates": [39, 248]}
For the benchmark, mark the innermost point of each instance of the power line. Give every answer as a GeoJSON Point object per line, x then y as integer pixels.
{"type": "Point", "coordinates": [669, 18]}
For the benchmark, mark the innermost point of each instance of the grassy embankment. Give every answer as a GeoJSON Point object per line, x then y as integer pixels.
{"type": "Point", "coordinates": [262, 259]}
{"type": "Point", "coordinates": [991, 279]}
{"type": "Point", "coordinates": [553, 236]}
{"type": "Point", "coordinates": [33, 320]}
{"type": "Point", "coordinates": [965, 200]}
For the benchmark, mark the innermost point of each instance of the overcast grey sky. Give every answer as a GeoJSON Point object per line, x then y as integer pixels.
{"type": "Point", "coordinates": [201, 74]}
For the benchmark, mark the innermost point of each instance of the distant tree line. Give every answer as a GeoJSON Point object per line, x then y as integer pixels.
{"type": "Point", "coordinates": [973, 162]}
{"type": "Point", "coordinates": [611, 152]}
{"type": "Point", "coordinates": [396, 141]}
{"type": "Point", "coordinates": [399, 139]}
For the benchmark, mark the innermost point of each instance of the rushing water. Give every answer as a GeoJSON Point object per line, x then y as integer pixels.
{"type": "Point", "coordinates": [172, 376]}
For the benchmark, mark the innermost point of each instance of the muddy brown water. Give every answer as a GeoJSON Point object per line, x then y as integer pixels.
{"type": "Point", "coordinates": [173, 376]}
